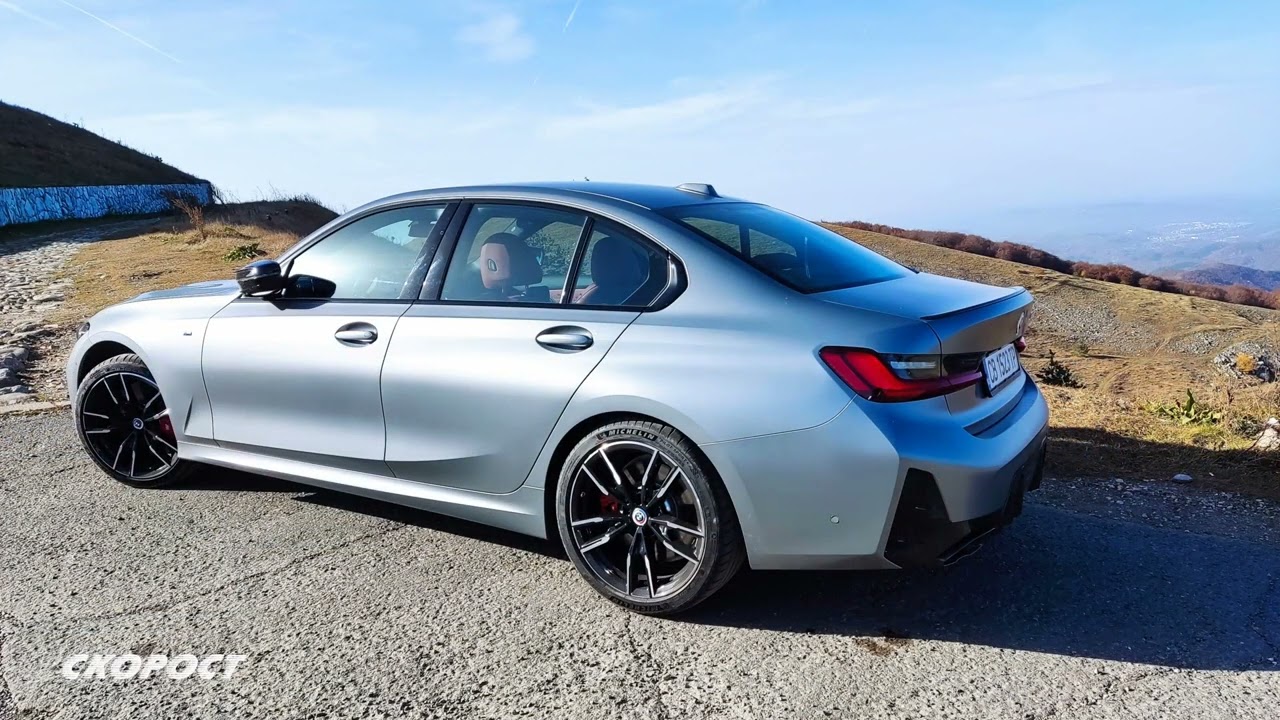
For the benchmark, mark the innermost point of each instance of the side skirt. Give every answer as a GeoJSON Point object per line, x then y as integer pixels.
{"type": "Point", "coordinates": [519, 511]}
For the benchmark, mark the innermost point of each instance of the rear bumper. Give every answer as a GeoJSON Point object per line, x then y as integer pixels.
{"type": "Point", "coordinates": [869, 490]}
{"type": "Point", "coordinates": [923, 534]}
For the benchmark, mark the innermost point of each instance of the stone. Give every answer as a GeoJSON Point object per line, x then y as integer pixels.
{"type": "Point", "coordinates": [49, 298]}
{"type": "Point", "coordinates": [8, 377]}
{"type": "Point", "coordinates": [14, 358]}
{"type": "Point", "coordinates": [1182, 478]}
{"type": "Point", "coordinates": [14, 389]}
{"type": "Point", "coordinates": [1270, 438]}
{"type": "Point", "coordinates": [1250, 359]}
{"type": "Point", "coordinates": [16, 398]}
{"type": "Point", "coordinates": [25, 327]}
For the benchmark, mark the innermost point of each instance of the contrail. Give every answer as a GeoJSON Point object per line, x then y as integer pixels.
{"type": "Point", "coordinates": [122, 31]}
{"type": "Point", "coordinates": [572, 12]}
{"type": "Point", "coordinates": [28, 15]}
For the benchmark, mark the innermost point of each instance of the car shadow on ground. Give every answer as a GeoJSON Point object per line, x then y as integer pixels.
{"type": "Point", "coordinates": [1055, 582]}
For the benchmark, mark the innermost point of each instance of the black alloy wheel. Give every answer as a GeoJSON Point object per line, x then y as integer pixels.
{"type": "Point", "coordinates": [645, 524]}
{"type": "Point", "coordinates": [123, 422]}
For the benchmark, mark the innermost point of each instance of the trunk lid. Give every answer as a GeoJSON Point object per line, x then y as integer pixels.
{"type": "Point", "coordinates": [970, 319]}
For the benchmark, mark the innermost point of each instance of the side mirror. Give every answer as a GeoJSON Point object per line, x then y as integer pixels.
{"type": "Point", "coordinates": [309, 286]}
{"type": "Point", "coordinates": [260, 278]}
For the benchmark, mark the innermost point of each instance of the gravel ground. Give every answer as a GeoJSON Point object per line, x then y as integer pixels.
{"type": "Point", "coordinates": [352, 608]}
{"type": "Point", "coordinates": [1165, 504]}
{"type": "Point", "coordinates": [30, 292]}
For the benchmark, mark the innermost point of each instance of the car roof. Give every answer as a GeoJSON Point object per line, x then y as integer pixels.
{"type": "Point", "coordinates": [652, 197]}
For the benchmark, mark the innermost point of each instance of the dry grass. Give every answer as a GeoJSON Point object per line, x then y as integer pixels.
{"type": "Point", "coordinates": [1131, 348]}
{"type": "Point", "coordinates": [39, 151]}
{"type": "Point", "coordinates": [110, 271]}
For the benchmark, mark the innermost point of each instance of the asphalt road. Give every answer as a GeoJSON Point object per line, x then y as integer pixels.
{"type": "Point", "coordinates": [350, 608]}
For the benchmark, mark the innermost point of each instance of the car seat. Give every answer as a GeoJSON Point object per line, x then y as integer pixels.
{"type": "Point", "coordinates": [507, 264]}
{"type": "Point", "coordinates": [618, 270]}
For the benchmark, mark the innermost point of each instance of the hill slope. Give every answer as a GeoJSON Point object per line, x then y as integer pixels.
{"type": "Point", "coordinates": [39, 151]}
{"type": "Point", "coordinates": [1228, 274]}
{"type": "Point", "coordinates": [1131, 348]}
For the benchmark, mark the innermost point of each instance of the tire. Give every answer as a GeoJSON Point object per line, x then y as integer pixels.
{"type": "Point", "coordinates": [645, 520]}
{"type": "Point", "coordinates": [123, 424]}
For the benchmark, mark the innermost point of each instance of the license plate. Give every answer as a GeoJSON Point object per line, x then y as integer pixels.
{"type": "Point", "coordinates": [999, 366]}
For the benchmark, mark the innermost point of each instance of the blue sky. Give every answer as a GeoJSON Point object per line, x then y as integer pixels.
{"type": "Point", "coordinates": [918, 113]}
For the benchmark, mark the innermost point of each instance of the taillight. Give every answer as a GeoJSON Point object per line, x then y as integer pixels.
{"type": "Point", "coordinates": [1020, 344]}
{"type": "Point", "coordinates": [894, 378]}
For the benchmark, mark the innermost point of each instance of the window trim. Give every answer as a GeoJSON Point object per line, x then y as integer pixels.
{"type": "Point", "coordinates": [575, 265]}
{"type": "Point", "coordinates": [433, 285]}
{"type": "Point", "coordinates": [420, 268]}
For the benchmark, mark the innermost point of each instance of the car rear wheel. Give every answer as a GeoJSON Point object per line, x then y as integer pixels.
{"type": "Point", "coordinates": [124, 424]}
{"type": "Point", "coordinates": [644, 520]}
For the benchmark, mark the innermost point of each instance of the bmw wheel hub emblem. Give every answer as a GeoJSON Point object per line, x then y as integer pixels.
{"type": "Point", "coordinates": [639, 517]}
{"type": "Point", "coordinates": [137, 423]}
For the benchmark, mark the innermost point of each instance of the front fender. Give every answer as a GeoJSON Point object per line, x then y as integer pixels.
{"type": "Point", "coordinates": [84, 346]}
{"type": "Point", "coordinates": [168, 336]}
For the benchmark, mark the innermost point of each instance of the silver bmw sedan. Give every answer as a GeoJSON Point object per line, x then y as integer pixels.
{"type": "Point", "coordinates": [670, 382]}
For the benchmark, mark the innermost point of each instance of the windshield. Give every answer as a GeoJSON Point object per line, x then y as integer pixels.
{"type": "Point", "coordinates": [794, 251]}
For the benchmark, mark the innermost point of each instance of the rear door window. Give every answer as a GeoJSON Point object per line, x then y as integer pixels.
{"type": "Point", "coordinates": [513, 254]}
{"type": "Point", "coordinates": [619, 269]}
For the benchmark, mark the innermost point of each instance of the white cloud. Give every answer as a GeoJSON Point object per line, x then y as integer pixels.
{"type": "Point", "coordinates": [1030, 86]}
{"type": "Point", "coordinates": [499, 38]}
{"type": "Point", "coordinates": [830, 108]}
{"type": "Point", "coordinates": [689, 112]}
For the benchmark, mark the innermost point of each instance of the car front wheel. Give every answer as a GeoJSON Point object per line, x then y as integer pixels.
{"type": "Point", "coordinates": [124, 424]}
{"type": "Point", "coordinates": [644, 520]}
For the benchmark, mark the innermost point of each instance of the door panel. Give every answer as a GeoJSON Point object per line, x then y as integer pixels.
{"type": "Point", "coordinates": [471, 394]}
{"type": "Point", "coordinates": [301, 378]}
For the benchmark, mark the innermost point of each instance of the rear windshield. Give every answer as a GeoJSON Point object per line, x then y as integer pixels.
{"type": "Point", "coordinates": [796, 252]}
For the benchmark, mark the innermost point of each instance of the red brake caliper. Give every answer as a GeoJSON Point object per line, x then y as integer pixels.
{"type": "Point", "coordinates": [608, 504]}
{"type": "Point", "coordinates": [166, 428]}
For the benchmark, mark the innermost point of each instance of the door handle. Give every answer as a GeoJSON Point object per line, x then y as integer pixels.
{"type": "Point", "coordinates": [565, 339]}
{"type": "Point", "coordinates": [356, 334]}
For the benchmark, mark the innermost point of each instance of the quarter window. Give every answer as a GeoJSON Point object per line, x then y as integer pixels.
{"type": "Point", "coordinates": [374, 257]}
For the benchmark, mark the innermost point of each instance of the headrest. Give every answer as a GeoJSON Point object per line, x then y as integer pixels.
{"type": "Point", "coordinates": [505, 261]}
{"type": "Point", "coordinates": [616, 262]}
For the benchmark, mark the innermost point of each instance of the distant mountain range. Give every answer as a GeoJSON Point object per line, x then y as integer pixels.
{"type": "Point", "coordinates": [1164, 238]}
{"type": "Point", "coordinates": [1226, 274]}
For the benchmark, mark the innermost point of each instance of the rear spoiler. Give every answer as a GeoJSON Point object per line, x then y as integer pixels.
{"type": "Point", "coordinates": [1013, 292]}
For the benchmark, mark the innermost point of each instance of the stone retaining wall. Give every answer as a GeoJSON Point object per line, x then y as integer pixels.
{"type": "Point", "coordinates": [26, 205]}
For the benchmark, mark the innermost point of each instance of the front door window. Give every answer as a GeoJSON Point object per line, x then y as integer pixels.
{"type": "Point", "coordinates": [374, 257]}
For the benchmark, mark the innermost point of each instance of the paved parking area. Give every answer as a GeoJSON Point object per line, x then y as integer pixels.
{"type": "Point", "coordinates": [351, 608]}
